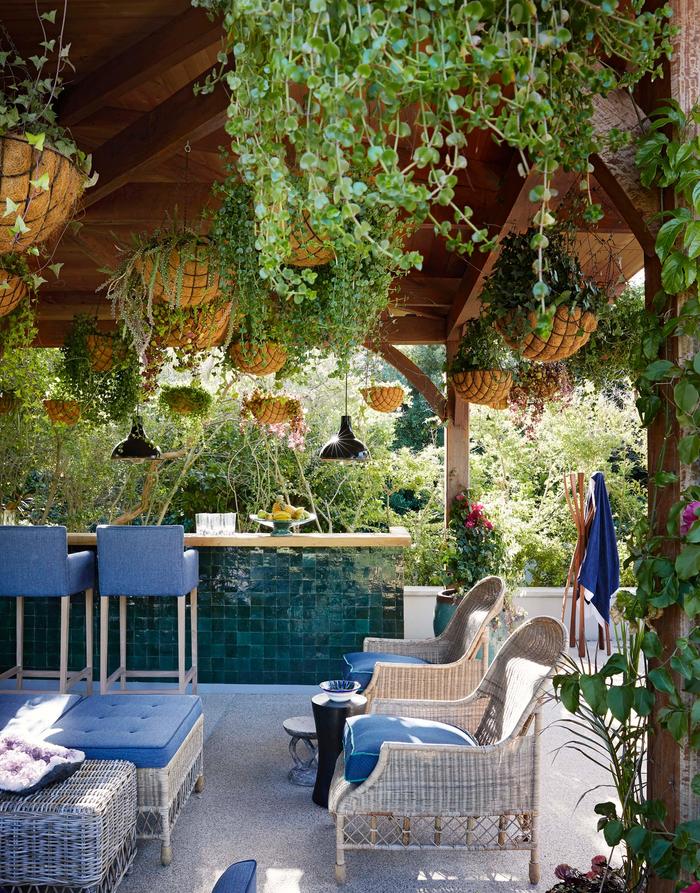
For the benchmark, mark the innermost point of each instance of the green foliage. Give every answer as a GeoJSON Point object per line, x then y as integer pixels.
{"type": "Point", "coordinates": [481, 348]}
{"type": "Point", "coordinates": [475, 546]}
{"type": "Point", "coordinates": [29, 88]}
{"type": "Point", "coordinates": [339, 307]}
{"type": "Point", "coordinates": [533, 276]}
{"type": "Point", "coordinates": [337, 144]}
{"type": "Point", "coordinates": [188, 400]}
{"type": "Point", "coordinates": [103, 396]}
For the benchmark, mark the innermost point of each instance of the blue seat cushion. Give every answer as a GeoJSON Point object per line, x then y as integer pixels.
{"type": "Point", "coordinates": [238, 878]}
{"type": "Point", "coordinates": [360, 664]}
{"type": "Point", "coordinates": [147, 730]}
{"type": "Point", "coordinates": [22, 714]}
{"type": "Point", "coordinates": [364, 736]}
{"type": "Point", "coordinates": [81, 571]}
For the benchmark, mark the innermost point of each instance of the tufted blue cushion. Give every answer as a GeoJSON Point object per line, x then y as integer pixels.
{"type": "Point", "coordinates": [238, 878]}
{"type": "Point", "coordinates": [35, 562]}
{"type": "Point", "coordinates": [360, 664]}
{"type": "Point", "coordinates": [145, 729]}
{"type": "Point", "coordinates": [22, 714]}
{"type": "Point", "coordinates": [145, 561]}
{"type": "Point", "coordinates": [364, 736]}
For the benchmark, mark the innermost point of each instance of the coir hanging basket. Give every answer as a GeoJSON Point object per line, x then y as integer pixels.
{"type": "Point", "coordinates": [499, 404]}
{"type": "Point", "coordinates": [571, 329]}
{"type": "Point", "coordinates": [63, 412]}
{"type": "Point", "coordinates": [13, 292]}
{"type": "Point", "coordinates": [8, 403]}
{"type": "Point", "coordinates": [383, 398]}
{"type": "Point", "coordinates": [43, 211]}
{"type": "Point", "coordinates": [181, 403]}
{"type": "Point", "coordinates": [189, 279]}
{"type": "Point", "coordinates": [257, 360]}
{"type": "Point", "coordinates": [100, 352]}
{"type": "Point", "coordinates": [307, 248]}
{"type": "Point", "coordinates": [198, 334]}
{"type": "Point", "coordinates": [487, 386]}
{"type": "Point", "coordinates": [272, 410]}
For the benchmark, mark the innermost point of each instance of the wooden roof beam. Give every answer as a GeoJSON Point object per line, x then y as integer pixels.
{"type": "Point", "coordinates": [178, 40]}
{"type": "Point", "coordinates": [511, 210]}
{"type": "Point", "coordinates": [412, 330]}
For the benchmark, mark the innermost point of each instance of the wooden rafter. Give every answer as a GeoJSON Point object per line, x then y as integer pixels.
{"type": "Point", "coordinates": [632, 216]}
{"type": "Point", "coordinates": [175, 42]}
{"type": "Point", "coordinates": [412, 330]}
{"type": "Point", "coordinates": [511, 210]}
{"type": "Point", "coordinates": [155, 136]}
{"type": "Point", "coordinates": [413, 373]}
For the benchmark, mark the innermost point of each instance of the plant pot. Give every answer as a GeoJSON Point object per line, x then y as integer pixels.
{"type": "Point", "coordinates": [307, 248]}
{"type": "Point", "coordinates": [181, 403]}
{"type": "Point", "coordinates": [262, 360]}
{"type": "Point", "coordinates": [383, 398]}
{"type": "Point", "coordinates": [100, 352]}
{"type": "Point", "coordinates": [571, 329]}
{"type": "Point", "coordinates": [187, 284]}
{"type": "Point", "coordinates": [487, 386]}
{"type": "Point", "coordinates": [8, 403]}
{"type": "Point", "coordinates": [63, 412]}
{"type": "Point", "coordinates": [272, 411]}
{"type": "Point", "coordinates": [13, 295]}
{"type": "Point", "coordinates": [446, 603]}
{"type": "Point", "coordinates": [499, 404]}
{"type": "Point", "coordinates": [43, 211]}
{"type": "Point", "coordinates": [199, 335]}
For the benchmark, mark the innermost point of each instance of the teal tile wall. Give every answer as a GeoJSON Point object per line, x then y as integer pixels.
{"type": "Point", "coordinates": [278, 615]}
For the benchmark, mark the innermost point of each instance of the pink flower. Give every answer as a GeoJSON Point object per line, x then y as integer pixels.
{"type": "Point", "coordinates": [461, 497]}
{"type": "Point", "coordinates": [692, 888]}
{"type": "Point", "coordinates": [488, 525]}
{"type": "Point", "coordinates": [689, 516]}
{"type": "Point", "coordinates": [599, 862]}
{"type": "Point", "coordinates": [563, 871]}
{"type": "Point", "coordinates": [469, 523]}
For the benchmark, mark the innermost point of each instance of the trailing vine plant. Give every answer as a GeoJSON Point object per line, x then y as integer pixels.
{"type": "Point", "coordinates": [321, 92]}
{"type": "Point", "coordinates": [616, 702]}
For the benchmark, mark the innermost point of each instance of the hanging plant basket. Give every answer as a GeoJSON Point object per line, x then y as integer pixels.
{"type": "Point", "coordinates": [100, 350]}
{"type": "Point", "coordinates": [13, 294]}
{"type": "Point", "coordinates": [487, 386]}
{"type": "Point", "coordinates": [195, 331]}
{"type": "Point", "coordinates": [43, 210]}
{"type": "Point", "coordinates": [308, 248]}
{"type": "Point", "coordinates": [183, 275]}
{"type": "Point", "coordinates": [383, 398]}
{"type": "Point", "coordinates": [8, 402]}
{"type": "Point", "coordinates": [63, 412]}
{"type": "Point", "coordinates": [571, 329]}
{"type": "Point", "coordinates": [499, 404]}
{"type": "Point", "coordinates": [187, 400]}
{"type": "Point", "coordinates": [257, 360]}
{"type": "Point", "coordinates": [269, 409]}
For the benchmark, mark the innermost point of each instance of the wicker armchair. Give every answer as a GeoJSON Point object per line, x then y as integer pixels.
{"type": "Point", "coordinates": [484, 797]}
{"type": "Point", "coordinates": [452, 668]}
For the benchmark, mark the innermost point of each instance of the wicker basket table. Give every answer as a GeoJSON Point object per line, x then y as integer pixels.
{"type": "Point", "coordinates": [77, 836]}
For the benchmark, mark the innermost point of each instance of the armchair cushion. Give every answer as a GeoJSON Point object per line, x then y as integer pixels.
{"type": "Point", "coordinates": [81, 571]}
{"type": "Point", "coordinates": [364, 736]}
{"type": "Point", "coordinates": [238, 878]}
{"type": "Point", "coordinates": [360, 664]}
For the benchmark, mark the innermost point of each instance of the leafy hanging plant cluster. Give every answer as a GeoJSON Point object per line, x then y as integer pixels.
{"type": "Point", "coordinates": [616, 702]}
{"type": "Point", "coordinates": [481, 348]}
{"type": "Point", "coordinates": [349, 292]}
{"type": "Point", "coordinates": [322, 93]}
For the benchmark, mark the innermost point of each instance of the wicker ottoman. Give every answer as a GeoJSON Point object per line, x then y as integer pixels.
{"type": "Point", "coordinates": [77, 836]}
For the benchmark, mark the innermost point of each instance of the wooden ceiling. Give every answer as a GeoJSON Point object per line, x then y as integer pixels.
{"type": "Point", "coordinates": [131, 104]}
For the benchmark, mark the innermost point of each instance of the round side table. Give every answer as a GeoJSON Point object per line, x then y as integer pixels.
{"type": "Point", "coordinates": [330, 717]}
{"type": "Point", "coordinates": [301, 730]}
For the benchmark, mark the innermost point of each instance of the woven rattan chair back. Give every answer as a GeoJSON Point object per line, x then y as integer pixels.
{"type": "Point", "coordinates": [518, 676]}
{"type": "Point", "coordinates": [479, 606]}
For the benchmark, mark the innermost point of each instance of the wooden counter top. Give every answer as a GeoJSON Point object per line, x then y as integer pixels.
{"type": "Point", "coordinates": [396, 538]}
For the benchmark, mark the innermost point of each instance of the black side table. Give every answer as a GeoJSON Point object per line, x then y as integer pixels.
{"type": "Point", "coordinates": [330, 717]}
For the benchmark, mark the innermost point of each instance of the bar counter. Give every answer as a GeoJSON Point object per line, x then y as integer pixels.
{"type": "Point", "coordinates": [271, 609]}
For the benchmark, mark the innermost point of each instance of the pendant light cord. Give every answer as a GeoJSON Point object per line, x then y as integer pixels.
{"type": "Point", "coordinates": [346, 393]}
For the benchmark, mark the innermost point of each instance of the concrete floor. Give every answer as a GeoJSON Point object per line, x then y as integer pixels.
{"type": "Point", "coordinates": [250, 810]}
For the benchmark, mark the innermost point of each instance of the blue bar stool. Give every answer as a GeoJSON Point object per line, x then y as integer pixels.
{"type": "Point", "coordinates": [146, 562]}
{"type": "Point", "coordinates": [36, 563]}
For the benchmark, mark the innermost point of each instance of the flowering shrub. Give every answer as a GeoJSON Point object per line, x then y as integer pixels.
{"type": "Point", "coordinates": [475, 547]}
{"type": "Point", "coordinates": [600, 879]}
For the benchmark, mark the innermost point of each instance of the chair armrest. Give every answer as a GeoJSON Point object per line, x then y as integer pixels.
{"type": "Point", "coordinates": [427, 649]}
{"type": "Point", "coordinates": [446, 779]}
{"type": "Point", "coordinates": [424, 682]}
{"type": "Point", "coordinates": [466, 713]}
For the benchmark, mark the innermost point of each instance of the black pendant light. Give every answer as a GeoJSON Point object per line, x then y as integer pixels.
{"type": "Point", "coordinates": [137, 447]}
{"type": "Point", "coordinates": [344, 446]}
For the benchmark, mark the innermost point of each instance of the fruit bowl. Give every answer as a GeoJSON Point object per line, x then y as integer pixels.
{"type": "Point", "coordinates": [339, 689]}
{"type": "Point", "coordinates": [282, 528]}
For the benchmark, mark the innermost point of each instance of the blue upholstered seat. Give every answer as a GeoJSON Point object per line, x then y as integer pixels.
{"type": "Point", "coordinates": [145, 561]}
{"type": "Point", "coordinates": [35, 562]}
{"type": "Point", "coordinates": [147, 730]}
{"type": "Point", "coordinates": [360, 664]}
{"type": "Point", "coordinates": [364, 736]}
{"type": "Point", "coordinates": [238, 878]}
{"type": "Point", "coordinates": [26, 715]}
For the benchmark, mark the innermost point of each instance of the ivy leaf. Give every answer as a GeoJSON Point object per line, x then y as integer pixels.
{"type": "Point", "coordinates": [41, 182]}
{"type": "Point", "coordinates": [49, 17]}
{"type": "Point", "coordinates": [594, 691]}
{"type": "Point", "coordinates": [36, 140]}
{"type": "Point", "coordinates": [651, 644]}
{"type": "Point", "coordinates": [686, 396]}
{"type": "Point", "coordinates": [644, 701]}
{"type": "Point", "coordinates": [667, 235]}
{"type": "Point", "coordinates": [658, 369]}
{"type": "Point", "coordinates": [691, 239]}
{"type": "Point", "coordinates": [613, 831]}
{"type": "Point", "coordinates": [620, 699]}
{"type": "Point", "coordinates": [688, 562]}
{"type": "Point", "coordinates": [689, 448]}
{"type": "Point", "coordinates": [56, 269]}
{"type": "Point", "coordinates": [10, 207]}
{"type": "Point", "coordinates": [674, 275]}
{"type": "Point", "coordinates": [658, 850]}
{"type": "Point", "coordinates": [636, 837]}
{"type": "Point", "coordinates": [661, 680]}
{"type": "Point", "coordinates": [20, 227]}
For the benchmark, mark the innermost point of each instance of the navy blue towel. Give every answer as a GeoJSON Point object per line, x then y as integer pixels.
{"type": "Point", "coordinates": [600, 570]}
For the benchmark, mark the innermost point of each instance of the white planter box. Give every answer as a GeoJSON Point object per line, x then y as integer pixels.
{"type": "Point", "coordinates": [537, 601]}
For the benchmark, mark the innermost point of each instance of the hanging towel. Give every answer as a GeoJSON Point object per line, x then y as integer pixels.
{"type": "Point", "coordinates": [600, 570]}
